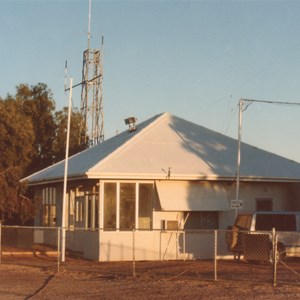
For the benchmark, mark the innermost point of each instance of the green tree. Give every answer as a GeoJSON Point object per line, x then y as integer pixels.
{"type": "Point", "coordinates": [32, 137]}
{"type": "Point", "coordinates": [13, 202]}
{"type": "Point", "coordinates": [16, 136]}
{"type": "Point", "coordinates": [16, 140]}
{"type": "Point", "coordinates": [36, 103]}
{"type": "Point", "coordinates": [59, 145]}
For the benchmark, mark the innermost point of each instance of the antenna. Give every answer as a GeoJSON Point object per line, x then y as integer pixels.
{"type": "Point", "coordinates": [92, 125]}
{"type": "Point", "coordinates": [89, 24]}
{"type": "Point", "coordinates": [66, 72]}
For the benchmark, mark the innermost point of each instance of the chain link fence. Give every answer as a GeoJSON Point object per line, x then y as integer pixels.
{"type": "Point", "coordinates": [268, 257]}
{"type": "Point", "coordinates": [19, 245]}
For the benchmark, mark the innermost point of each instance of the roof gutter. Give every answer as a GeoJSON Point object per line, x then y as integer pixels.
{"type": "Point", "coordinates": [143, 176]}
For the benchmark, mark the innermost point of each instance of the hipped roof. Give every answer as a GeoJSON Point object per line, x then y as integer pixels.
{"type": "Point", "coordinates": [166, 146]}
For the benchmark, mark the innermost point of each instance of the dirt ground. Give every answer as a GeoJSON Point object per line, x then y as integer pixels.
{"type": "Point", "coordinates": [37, 277]}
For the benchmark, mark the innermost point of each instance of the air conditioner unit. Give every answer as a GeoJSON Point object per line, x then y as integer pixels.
{"type": "Point", "coordinates": [170, 225]}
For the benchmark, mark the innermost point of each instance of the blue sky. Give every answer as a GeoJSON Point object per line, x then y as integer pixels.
{"type": "Point", "coordinates": [194, 59]}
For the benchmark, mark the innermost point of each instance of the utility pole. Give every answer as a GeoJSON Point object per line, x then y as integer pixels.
{"type": "Point", "coordinates": [237, 193]}
{"type": "Point", "coordinates": [243, 105]}
{"type": "Point", "coordinates": [63, 221]}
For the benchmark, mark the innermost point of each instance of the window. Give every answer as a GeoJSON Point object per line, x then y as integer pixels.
{"type": "Point", "coordinates": [110, 205]}
{"type": "Point", "coordinates": [84, 207]}
{"type": "Point", "coordinates": [92, 211]}
{"type": "Point", "coordinates": [79, 200]}
{"type": "Point", "coordinates": [145, 206]}
{"type": "Point", "coordinates": [284, 222]}
{"type": "Point", "coordinates": [49, 206]}
{"type": "Point", "coordinates": [127, 206]}
{"type": "Point", "coordinates": [243, 222]}
{"type": "Point", "coordinates": [201, 220]}
{"type": "Point", "coordinates": [72, 209]}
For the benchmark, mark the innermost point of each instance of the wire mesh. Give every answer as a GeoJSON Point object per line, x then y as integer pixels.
{"type": "Point", "coordinates": [232, 255]}
{"type": "Point", "coordinates": [29, 245]}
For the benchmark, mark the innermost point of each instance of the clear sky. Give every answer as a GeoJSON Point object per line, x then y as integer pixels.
{"type": "Point", "coordinates": [194, 59]}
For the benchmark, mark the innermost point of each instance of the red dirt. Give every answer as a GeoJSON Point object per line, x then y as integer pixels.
{"type": "Point", "coordinates": [38, 278]}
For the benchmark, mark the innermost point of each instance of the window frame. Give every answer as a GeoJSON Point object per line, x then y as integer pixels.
{"type": "Point", "coordinates": [85, 207]}
{"type": "Point", "coordinates": [49, 206]}
{"type": "Point", "coordinates": [118, 204]}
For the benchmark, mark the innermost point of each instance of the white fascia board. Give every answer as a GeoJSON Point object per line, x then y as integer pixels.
{"type": "Point", "coordinates": [270, 179]}
{"type": "Point", "coordinates": [155, 176]}
{"type": "Point", "coordinates": [56, 180]}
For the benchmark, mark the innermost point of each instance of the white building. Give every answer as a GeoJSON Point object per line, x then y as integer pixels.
{"type": "Point", "coordinates": [167, 173]}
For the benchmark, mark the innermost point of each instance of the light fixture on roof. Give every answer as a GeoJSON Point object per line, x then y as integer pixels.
{"type": "Point", "coordinates": [131, 122]}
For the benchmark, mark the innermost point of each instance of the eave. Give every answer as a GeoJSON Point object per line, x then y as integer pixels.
{"type": "Point", "coordinates": [174, 177]}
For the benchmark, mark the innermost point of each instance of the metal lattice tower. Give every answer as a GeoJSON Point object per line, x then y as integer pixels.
{"type": "Point", "coordinates": [92, 127]}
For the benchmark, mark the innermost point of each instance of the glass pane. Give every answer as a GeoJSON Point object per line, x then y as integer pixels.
{"type": "Point", "coordinates": [192, 220]}
{"type": "Point", "coordinates": [52, 215]}
{"type": "Point", "coordinates": [145, 205]}
{"type": "Point", "coordinates": [243, 221]}
{"type": "Point", "coordinates": [79, 209]}
{"type": "Point", "coordinates": [127, 206]}
{"type": "Point", "coordinates": [46, 215]}
{"type": "Point", "coordinates": [90, 209]}
{"type": "Point", "coordinates": [53, 195]}
{"type": "Point", "coordinates": [209, 220]}
{"type": "Point", "coordinates": [279, 222]}
{"type": "Point", "coordinates": [44, 196]}
{"type": "Point", "coordinates": [201, 220]}
{"type": "Point", "coordinates": [264, 222]}
{"type": "Point", "coordinates": [96, 211]}
{"type": "Point", "coordinates": [71, 208]}
{"type": "Point", "coordinates": [110, 200]}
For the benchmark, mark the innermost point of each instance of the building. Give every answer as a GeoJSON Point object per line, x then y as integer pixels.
{"type": "Point", "coordinates": [164, 173]}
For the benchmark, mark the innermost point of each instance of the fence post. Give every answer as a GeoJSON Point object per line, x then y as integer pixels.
{"type": "Point", "coordinates": [133, 252]}
{"type": "Point", "coordinates": [274, 256]}
{"type": "Point", "coordinates": [63, 244]}
{"type": "Point", "coordinates": [58, 248]}
{"type": "Point", "coordinates": [0, 243]}
{"type": "Point", "coordinates": [177, 245]}
{"type": "Point", "coordinates": [215, 255]}
{"type": "Point", "coordinates": [184, 245]}
{"type": "Point", "coordinates": [160, 245]}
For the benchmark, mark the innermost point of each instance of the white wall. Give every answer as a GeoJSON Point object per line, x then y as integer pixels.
{"type": "Point", "coordinates": [156, 245]}
{"type": "Point", "coordinates": [159, 216]}
{"type": "Point", "coordinates": [86, 242]}
{"type": "Point", "coordinates": [249, 192]}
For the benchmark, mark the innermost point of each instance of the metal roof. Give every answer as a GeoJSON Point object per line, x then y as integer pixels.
{"type": "Point", "coordinates": [168, 146]}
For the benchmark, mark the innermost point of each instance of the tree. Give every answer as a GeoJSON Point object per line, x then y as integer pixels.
{"type": "Point", "coordinates": [59, 145]}
{"type": "Point", "coordinates": [13, 201]}
{"type": "Point", "coordinates": [37, 104]}
{"type": "Point", "coordinates": [16, 140]}
{"type": "Point", "coordinates": [32, 137]}
{"type": "Point", "coordinates": [16, 136]}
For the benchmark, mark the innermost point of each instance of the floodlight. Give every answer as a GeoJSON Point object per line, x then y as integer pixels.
{"type": "Point", "coordinates": [131, 122]}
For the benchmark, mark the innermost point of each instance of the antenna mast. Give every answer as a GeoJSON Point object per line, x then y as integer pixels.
{"type": "Point", "coordinates": [92, 126]}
